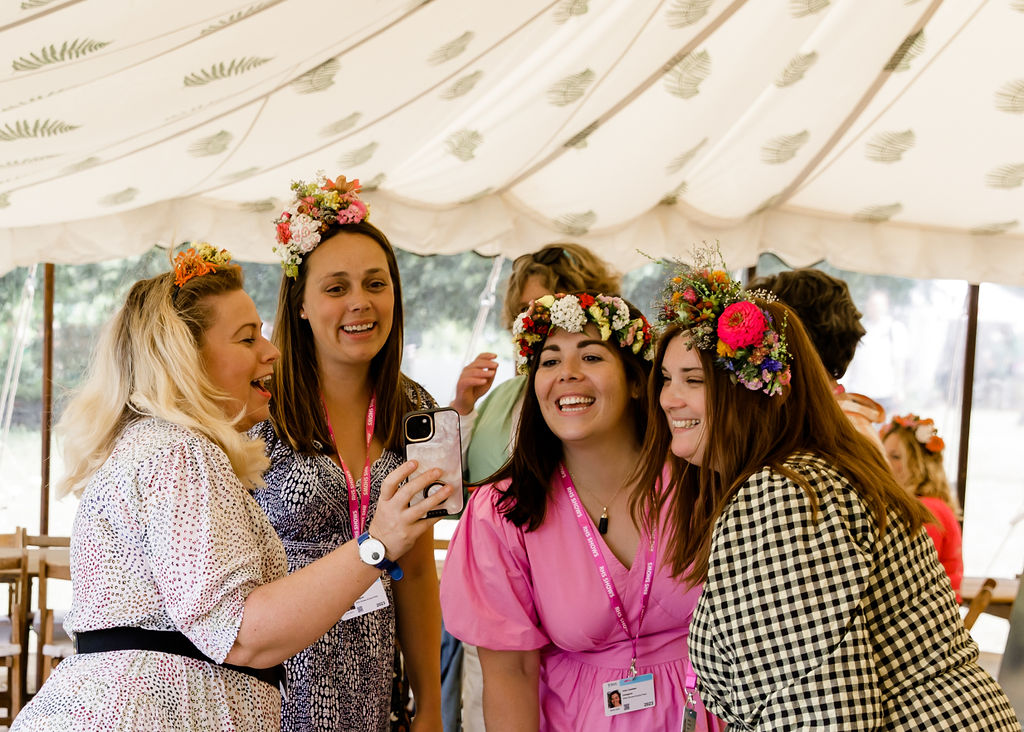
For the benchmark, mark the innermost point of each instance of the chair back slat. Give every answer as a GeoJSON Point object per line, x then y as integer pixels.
{"type": "Point", "coordinates": [49, 652]}
{"type": "Point", "coordinates": [44, 540]}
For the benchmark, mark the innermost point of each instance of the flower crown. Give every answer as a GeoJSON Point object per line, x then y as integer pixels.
{"type": "Point", "coordinates": [199, 259]}
{"type": "Point", "coordinates": [571, 313]}
{"type": "Point", "coordinates": [924, 431]}
{"type": "Point", "coordinates": [317, 206]}
{"type": "Point", "coordinates": [723, 318]}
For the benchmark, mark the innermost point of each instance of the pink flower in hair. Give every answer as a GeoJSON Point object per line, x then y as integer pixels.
{"type": "Point", "coordinates": [742, 324]}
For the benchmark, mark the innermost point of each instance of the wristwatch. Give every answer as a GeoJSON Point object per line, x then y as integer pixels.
{"type": "Point", "coordinates": [372, 552]}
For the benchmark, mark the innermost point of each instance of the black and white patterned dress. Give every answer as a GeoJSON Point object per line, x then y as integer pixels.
{"type": "Point", "coordinates": [166, 538]}
{"type": "Point", "coordinates": [341, 683]}
{"type": "Point", "coordinates": [806, 625]}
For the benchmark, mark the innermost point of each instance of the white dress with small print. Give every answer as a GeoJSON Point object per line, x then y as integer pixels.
{"type": "Point", "coordinates": [166, 538]}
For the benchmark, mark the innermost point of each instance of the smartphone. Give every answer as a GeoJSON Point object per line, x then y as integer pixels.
{"type": "Point", "coordinates": [433, 440]}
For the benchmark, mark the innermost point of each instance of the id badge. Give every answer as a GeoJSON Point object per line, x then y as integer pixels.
{"type": "Point", "coordinates": [689, 720]}
{"type": "Point", "coordinates": [628, 695]}
{"type": "Point", "coordinates": [373, 599]}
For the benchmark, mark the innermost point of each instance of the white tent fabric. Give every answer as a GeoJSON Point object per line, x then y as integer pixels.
{"type": "Point", "coordinates": [884, 135]}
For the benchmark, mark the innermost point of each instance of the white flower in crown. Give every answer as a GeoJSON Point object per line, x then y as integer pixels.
{"type": "Point", "coordinates": [567, 314]}
{"type": "Point", "coordinates": [518, 327]}
{"type": "Point", "coordinates": [305, 233]}
{"type": "Point", "coordinates": [924, 432]}
{"type": "Point", "coordinates": [621, 316]}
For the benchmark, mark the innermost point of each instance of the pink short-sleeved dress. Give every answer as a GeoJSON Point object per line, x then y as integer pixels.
{"type": "Point", "coordinates": [166, 538]}
{"type": "Point", "coordinates": [506, 589]}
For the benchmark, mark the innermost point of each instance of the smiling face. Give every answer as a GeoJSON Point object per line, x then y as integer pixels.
{"type": "Point", "coordinates": [238, 359]}
{"type": "Point", "coordinates": [582, 388]}
{"type": "Point", "coordinates": [682, 399]}
{"type": "Point", "coordinates": [349, 299]}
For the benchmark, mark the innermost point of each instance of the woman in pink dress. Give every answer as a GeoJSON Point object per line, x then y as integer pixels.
{"type": "Point", "coordinates": [914, 450]}
{"type": "Point", "coordinates": [566, 594]}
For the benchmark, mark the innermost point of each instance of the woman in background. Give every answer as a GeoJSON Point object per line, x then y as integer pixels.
{"type": "Point", "coordinates": [914, 450]}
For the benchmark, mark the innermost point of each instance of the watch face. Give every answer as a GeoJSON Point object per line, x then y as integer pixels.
{"type": "Point", "coordinates": [371, 551]}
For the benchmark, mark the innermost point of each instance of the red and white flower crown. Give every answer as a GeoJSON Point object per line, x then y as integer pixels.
{"type": "Point", "coordinates": [317, 206]}
{"type": "Point", "coordinates": [571, 313]}
{"type": "Point", "coordinates": [723, 319]}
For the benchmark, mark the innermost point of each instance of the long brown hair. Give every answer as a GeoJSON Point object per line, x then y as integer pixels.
{"type": "Point", "coordinates": [296, 410]}
{"type": "Point", "coordinates": [746, 431]}
{"type": "Point", "coordinates": [537, 450]}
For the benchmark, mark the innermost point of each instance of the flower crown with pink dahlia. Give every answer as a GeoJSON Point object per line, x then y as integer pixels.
{"type": "Point", "coordinates": [571, 313]}
{"type": "Point", "coordinates": [924, 431]}
{"type": "Point", "coordinates": [723, 318]}
{"type": "Point", "coordinates": [317, 206]}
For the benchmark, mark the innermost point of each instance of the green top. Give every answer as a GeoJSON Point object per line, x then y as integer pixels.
{"type": "Point", "coordinates": [490, 443]}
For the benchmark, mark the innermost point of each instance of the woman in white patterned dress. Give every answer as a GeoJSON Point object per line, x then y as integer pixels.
{"type": "Point", "coordinates": [824, 604]}
{"type": "Point", "coordinates": [181, 608]}
{"type": "Point", "coordinates": [333, 437]}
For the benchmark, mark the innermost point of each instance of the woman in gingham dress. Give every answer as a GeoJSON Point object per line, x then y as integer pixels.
{"type": "Point", "coordinates": [824, 605]}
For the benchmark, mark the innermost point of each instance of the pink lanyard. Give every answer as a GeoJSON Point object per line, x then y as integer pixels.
{"type": "Point", "coordinates": [358, 503]}
{"type": "Point", "coordinates": [602, 568]}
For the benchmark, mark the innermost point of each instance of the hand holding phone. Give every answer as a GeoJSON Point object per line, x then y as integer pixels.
{"type": "Point", "coordinates": [432, 439]}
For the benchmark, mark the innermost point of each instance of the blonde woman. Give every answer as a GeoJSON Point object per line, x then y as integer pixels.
{"type": "Point", "coordinates": [182, 612]}
{"type": "Point", "coordinates": [914, 450]}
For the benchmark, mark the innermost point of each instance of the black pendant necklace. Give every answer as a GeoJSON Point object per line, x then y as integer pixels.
{"type": "Point", "coordinates": [602, 524]}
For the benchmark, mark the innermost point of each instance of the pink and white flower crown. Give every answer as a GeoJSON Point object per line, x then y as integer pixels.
{"type": "Point", "coordinates": [571, 313]}
{"type": "Point", "coordinates": [317, 206]}
{"type": "Point", "coordinates": [924, 431]}
{"type": "Point", "coordinates": [723, 318]}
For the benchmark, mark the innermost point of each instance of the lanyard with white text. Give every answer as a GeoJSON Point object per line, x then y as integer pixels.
{"type": "Point", "coordinates": [602, 568]}
{"type": "Point", "coordinates": [358, 503]}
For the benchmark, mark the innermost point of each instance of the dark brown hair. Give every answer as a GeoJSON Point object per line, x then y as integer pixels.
{"type": "Point", "coordinates": [537, 450]}
{"type": "Point", "coordinates": [562, 267]}
{"type": "Point", "coordinates": [746, 431]}
{"type": "Point", "coordinates": [826, 310]}
{"type": "Point", "coordinates": [296, 410]}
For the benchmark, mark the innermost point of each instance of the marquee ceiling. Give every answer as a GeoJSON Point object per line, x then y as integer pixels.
{"type": "Point", "coordinates": [884, 135]}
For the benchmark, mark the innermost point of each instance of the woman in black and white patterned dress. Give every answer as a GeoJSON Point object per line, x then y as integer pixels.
{"type": "Point", "coordinates": [180, 600]}
{"type": "Point", "coordinates": [824, 604]}
{"type": "Point", "coordinates": [339, 397]}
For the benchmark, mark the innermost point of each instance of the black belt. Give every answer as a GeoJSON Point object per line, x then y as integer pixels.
{"type": "Point", "coordinates": [166, 641]}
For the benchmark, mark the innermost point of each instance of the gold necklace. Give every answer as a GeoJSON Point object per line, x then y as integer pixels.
{"type": "Point", "coordinates": [602, 523]}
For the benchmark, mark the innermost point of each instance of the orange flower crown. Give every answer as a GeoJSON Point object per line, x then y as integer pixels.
{"type": "Point", "coordinates": [923, 430]}
{"type": "Point", "coordinates": [199, 259]}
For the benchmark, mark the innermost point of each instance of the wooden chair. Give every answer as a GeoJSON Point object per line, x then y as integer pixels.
{"type": "Point", "coordinates": [14, 573]}
{"type": "Point", "coordinates": [979, 602]}
{"type": "Point", "coordinates": [53, 644]}
{"type": "Point", "coordinates": [16, 540]}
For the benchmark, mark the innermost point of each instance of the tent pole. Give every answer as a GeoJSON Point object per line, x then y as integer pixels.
{"type": "Point", "coordinates": [970, 347]}
{"type": "Point", "coordinates": [44, 484]}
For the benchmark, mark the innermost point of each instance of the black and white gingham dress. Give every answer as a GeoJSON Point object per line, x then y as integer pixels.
{"type": "Point", "coordinates": [806, 625]}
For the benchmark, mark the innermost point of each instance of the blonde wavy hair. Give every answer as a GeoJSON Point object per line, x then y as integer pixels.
{"type": "Point", "coordinates": [562, 267]}
{"type": "Point", "coordinates": [926, 475]}
{"type": "Point", "coordinates": [147, 364]}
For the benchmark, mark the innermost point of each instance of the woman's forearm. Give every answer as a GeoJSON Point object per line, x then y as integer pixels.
{"type": "Point", "coordinates": [418, 613]}
{"type": "Point", "coordinates": [511, 690]}
{"type": "Point", "coordinates": [285, 616]}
